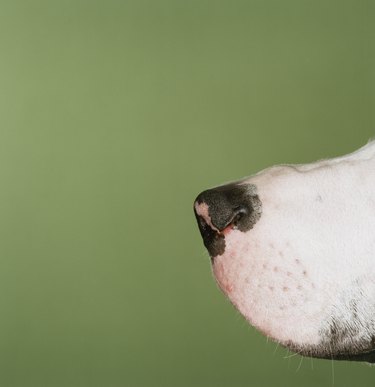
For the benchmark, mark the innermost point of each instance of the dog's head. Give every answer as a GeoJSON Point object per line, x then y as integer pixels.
{"type": "Point", "coordinates": [293, 248]}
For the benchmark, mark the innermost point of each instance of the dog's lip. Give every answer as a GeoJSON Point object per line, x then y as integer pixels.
{"type": "Point", "coordinates": [323, 353]}
{"type": "Point", "coordinates": [227, 229]}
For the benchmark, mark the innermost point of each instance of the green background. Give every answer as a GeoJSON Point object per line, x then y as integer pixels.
{"type": "Point", "coordinates": [114, 115]}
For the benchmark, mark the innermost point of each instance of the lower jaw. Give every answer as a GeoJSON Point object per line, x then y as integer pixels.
{"type": "Point", "coordinates": [325, 351]}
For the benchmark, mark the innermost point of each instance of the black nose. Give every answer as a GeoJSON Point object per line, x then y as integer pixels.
{"type": "Point", "coordinates": [232, 205]}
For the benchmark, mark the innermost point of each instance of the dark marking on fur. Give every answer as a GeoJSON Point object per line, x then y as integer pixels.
{"type": "Point", "coordinates": [344, 336]}
{"type": "Point", "coordinates": [333, 330]}
{"type": "Point", "coordinates": [323, 351]}
{"type": "Point", "coordinates": [354, 308]}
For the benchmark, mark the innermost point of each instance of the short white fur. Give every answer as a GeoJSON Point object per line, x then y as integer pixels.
{"type": "Point", "coordinates": [306, 271]}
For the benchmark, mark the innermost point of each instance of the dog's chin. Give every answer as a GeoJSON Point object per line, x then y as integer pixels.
{"type": "Point", "coordinates": [272, 288]}
{"type": "Point", "coordinates": [329, 335]}
{"type": "Point", "coordinates": [277, 291]}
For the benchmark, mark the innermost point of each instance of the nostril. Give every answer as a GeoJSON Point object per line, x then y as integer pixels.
{"type": "Point", "coordinates": [238, 214]}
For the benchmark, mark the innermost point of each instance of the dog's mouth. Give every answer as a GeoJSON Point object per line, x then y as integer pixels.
{"type": "Point", "coordinates": [324, 352]}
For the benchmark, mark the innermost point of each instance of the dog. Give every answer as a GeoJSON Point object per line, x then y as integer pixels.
{"type": "Point", "coordinates": [293, 248]}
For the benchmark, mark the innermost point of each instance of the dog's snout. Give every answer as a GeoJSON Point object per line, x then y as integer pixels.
{"type": "Point", "coordinates": [231, 206]}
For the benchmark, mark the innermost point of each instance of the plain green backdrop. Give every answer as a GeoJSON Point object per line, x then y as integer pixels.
{"type": "Point", "coordinates": [114, 115]}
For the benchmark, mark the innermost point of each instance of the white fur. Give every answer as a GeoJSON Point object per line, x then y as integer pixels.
{"type": "Point", "coordinates": [308, 265]}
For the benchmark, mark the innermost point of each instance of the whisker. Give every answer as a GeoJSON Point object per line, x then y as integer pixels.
{"type": "Point", "coordinates": [300, 363]}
